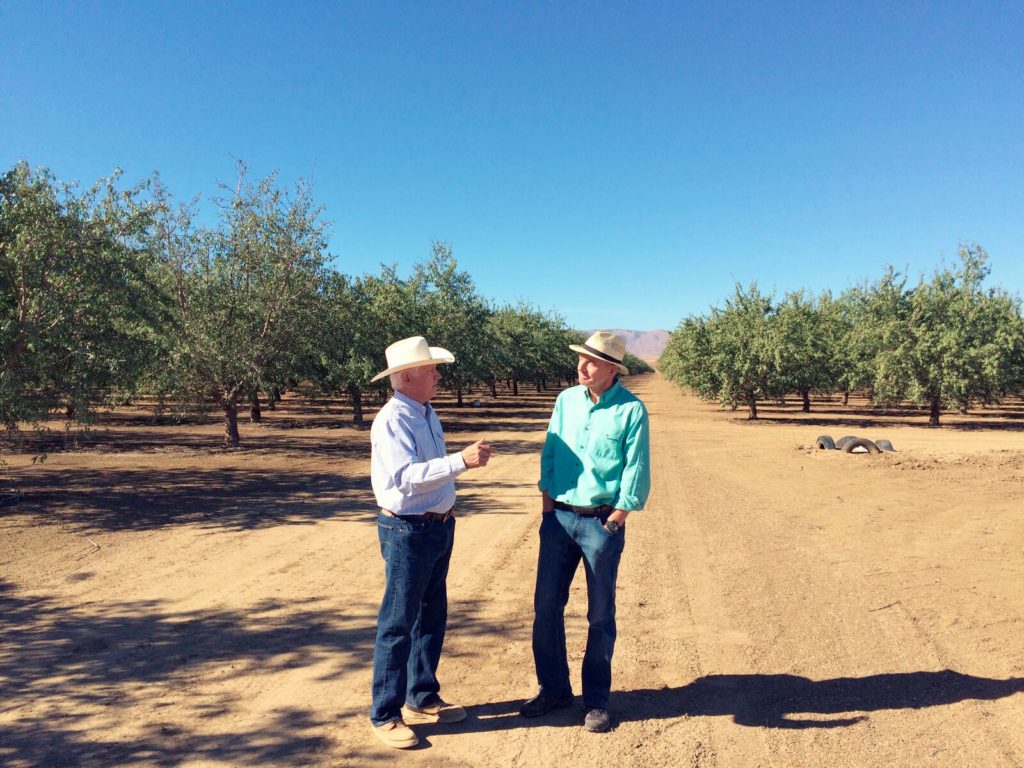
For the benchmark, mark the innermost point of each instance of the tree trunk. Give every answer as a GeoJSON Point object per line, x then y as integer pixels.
{"type": "Point", "coordinates": [273, 398]}
{"type": "Point", "coordinates": [255, 413]}
{"type": "Point", "coordinates": [494, 389]}
{"type": "Point", "coordinates": [752, 405]}
{"type": "Point", "coordinates": [231, 438]}
{"type": "Point", "coordinates": [807, 400]}
{"type": "Point", "coordinates": [933, 416]}
{"type": "Point", "coordinates": [69, 412]}
{"type": "Point", "coordinates": [458, 396]}
{"type": "Point", "coordinates": [357, 404]}
{"type": "Point", "coordinates": [846, 397]}
{"type": "Point", "coordinates": [515, 387]}
{"type": "Point", "coordinates": [537, 383]}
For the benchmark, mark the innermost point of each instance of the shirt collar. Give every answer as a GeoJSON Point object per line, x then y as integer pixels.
{"type": "Point", "coordinates": [605, 396]}
{"type": "Point", "coordinates": [408, 402]}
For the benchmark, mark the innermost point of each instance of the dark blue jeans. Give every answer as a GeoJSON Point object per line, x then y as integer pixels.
{"type": "Point", "coordinates": [413, 614]}
{"type": "Point", "coordinates": [565, 539]}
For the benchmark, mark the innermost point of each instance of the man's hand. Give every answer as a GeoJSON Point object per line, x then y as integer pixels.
{"type": "Point", "coordinates": [477, 454]}
{"type": "Point", "coordinates": [619, 516]}
{"type": "Point", "coordinates": [547, 504]}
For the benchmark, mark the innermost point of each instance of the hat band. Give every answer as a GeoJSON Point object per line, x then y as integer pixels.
{"type": "Point", "coordinates": [600, 354]}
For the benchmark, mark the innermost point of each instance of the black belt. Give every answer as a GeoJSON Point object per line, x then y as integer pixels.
{"type": "Point", "coordinates": [442, 516]}
{"type": "Point", "coordinates": [598, 511]}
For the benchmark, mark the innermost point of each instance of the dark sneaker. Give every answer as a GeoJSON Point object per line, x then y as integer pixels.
{"type": "Point", "coordinates": [597, 721]}
{"type": "Point", "coordinates": [541, 704]}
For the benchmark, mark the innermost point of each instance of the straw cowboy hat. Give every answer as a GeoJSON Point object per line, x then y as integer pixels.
{"type": "Point", "coordinates": [604, 346]}
{"type": "Point", "coordinates": [412, 353]}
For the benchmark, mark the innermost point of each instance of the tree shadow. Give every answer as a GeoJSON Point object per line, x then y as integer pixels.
{"type": "Point", "coordinates": [880, 422]}
{"type": "Point", "coordinates": [64, 666]}
{"type": "Point", "coordinates": [60, 665]}
{"type": "Point", "coordinates": [227, 497]}
{"type": "Point", "coordinates": [768, 701]}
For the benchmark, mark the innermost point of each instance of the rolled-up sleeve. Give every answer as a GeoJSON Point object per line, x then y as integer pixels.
{"type": "Point", "coordinates": [635, 485]}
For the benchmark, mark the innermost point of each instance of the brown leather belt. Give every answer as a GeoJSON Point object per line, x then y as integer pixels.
{"type": "Point", "coordinates": [442, 516]}
{"type": "Point", "coordinates": [598, 511]}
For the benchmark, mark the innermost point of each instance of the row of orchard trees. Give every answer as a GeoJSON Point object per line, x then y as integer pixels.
{"type": "Point", "coordinates": [946, 342]}
{"type": "Point", "coordinates": [114, 290]}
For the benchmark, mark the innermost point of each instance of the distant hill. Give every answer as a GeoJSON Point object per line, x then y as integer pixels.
{"type": "Point", "coordinates": [646, 344]}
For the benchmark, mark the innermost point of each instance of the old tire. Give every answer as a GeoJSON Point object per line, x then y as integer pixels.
{"type": "Point", "coordinates": [884, 445]}
{"type": "Point", "coordinates": [860, 442]}
{"type": "Point", "coordinates": [842, 441]}
{"type": "Point", "coordinates": [826, 442]}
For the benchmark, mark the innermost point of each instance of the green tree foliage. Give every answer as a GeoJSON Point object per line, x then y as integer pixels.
{"type": "Point", "coordinates": [948, 342]}
{"type": "Point", "coordinates": [77, 310]}
{"type": "Point", "coordinates": [454, 316]}
{"type": "Point", "coordinates": [243, 293]}
{"type": "Point", "coordinates": [732, 355]}
{"type": "Point", "coordinates": [636, 364]}
{"type": "Point", "coordinates": [357, 318]}
{"type": "Point", "coordinates": [686, 358]}
{"type": "Point", "coordinates": [806, 345]}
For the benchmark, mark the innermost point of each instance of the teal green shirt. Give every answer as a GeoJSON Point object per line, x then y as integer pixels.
{"type": "Point", "coordinates": [597, 453]}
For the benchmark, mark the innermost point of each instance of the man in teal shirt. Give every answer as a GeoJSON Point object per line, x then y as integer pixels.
{"type": "Point", "coordinates": [595, 470]}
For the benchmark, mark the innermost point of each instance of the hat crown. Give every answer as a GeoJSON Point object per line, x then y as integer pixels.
{"type": "Point", "coordinates": [610, 344]}
{"type": "Point", "coordinates": [407, 351]}
{"type": "Point", "coordinates": [412, 353]}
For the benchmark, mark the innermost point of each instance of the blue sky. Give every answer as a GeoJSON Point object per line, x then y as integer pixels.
{"type": "Point", "coordinates": [624, 164]}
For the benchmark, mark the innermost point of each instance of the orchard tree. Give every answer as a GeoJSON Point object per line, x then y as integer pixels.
{"type": "Point", "coordinates": [243, 292]}
{"type": "Point", "coordinates": [743, 350]}
{"type": "Point", "coordinates": [940, 343]}
{"type": "Point", "coordinates": [453, 316]}
{"type": "Point", "coordinates": [77, 309]}
{"type": "Point", "coordinates": [805, 352]}
{"type": "Point", "coordinates": [686, 361]}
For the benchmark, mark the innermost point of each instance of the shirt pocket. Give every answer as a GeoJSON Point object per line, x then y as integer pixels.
{"type": "Point", "coordinates": [607, 450]}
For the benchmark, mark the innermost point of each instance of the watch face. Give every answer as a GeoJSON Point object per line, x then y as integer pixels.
{"type": "Point", "coordinates": [612, 526]}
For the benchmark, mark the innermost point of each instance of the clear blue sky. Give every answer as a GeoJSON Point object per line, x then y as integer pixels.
{"type": "Point", "coordinates": [624, 164]}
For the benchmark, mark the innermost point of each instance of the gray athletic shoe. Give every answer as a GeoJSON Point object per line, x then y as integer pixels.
{"type": "Point", "coordinates": [597, 721]}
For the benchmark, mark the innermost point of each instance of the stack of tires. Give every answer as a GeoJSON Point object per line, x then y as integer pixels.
{"type": "Point", "coordinates": [851, 444]}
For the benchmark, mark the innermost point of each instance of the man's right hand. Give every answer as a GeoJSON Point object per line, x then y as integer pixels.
{"type": "Point", "coordinates": [477, 454]}
{"type": "Point", "coordinates": [547, 503]}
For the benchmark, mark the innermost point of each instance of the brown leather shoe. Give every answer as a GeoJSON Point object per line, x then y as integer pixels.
{"type": "Point", "coordinates": [440, 712]}
{"type": "Point", "coordinates": [396, 734]}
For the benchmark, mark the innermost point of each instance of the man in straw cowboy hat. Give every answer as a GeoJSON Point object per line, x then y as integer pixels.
{"type": "Point", "coordinates": [414, 482]}
{"type": "Point", "coordinates": [595, 470]}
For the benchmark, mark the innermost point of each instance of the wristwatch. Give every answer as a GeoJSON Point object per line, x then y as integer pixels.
{"type": "Point", "coordinates": [612, 527]}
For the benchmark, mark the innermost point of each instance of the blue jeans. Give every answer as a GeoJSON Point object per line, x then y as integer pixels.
{"type": "Point", "coordinates": [565, 539]}
{"type": "Point", "coordinates": [413, 614]}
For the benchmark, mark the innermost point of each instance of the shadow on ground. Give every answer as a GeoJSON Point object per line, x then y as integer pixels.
{"type": "Point", "coordinates": [763, 701]}
{"type": "Point", "coordinates": [69, 670]}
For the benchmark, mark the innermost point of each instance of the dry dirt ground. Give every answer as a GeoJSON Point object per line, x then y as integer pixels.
{"type": "Point", "coordinates": [167, 603]}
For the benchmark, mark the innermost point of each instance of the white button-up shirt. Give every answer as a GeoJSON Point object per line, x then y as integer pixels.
{"type": "Point", "coordinates": [409, 470]}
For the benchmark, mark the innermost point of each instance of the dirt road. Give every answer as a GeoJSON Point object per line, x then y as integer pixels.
{"type": "Point", "coordinates": [164, 604]}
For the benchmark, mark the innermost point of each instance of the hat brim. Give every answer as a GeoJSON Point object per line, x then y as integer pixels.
{"type": "Point", "coordinates": [438, 355]}
{"type": "Point", "coordinates": [590, 353]}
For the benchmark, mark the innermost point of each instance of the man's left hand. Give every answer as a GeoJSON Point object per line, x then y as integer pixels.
{"type": "Point", "coordinates": [619, 516]}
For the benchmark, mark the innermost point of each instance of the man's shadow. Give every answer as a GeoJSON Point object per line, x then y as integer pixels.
{"type": "Point", "coordinates": [765, 701]}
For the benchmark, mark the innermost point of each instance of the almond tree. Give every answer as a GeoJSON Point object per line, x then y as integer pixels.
{"type": "Point", "coordinates": [806, 352]}
{"type": "Point", "coordinates": [945, 343]}
{"type": "Point", "coordinates": [242, 293]}
{"type": "Point", "coordinates": [453, 316]}
{"type": "Point", "coordinates": [77, 311]}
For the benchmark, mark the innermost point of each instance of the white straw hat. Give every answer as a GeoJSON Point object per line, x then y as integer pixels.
{"type": "Point", "coordinates": [412, 353]}
{"type": "Point", "coordinates": [605, 346]}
